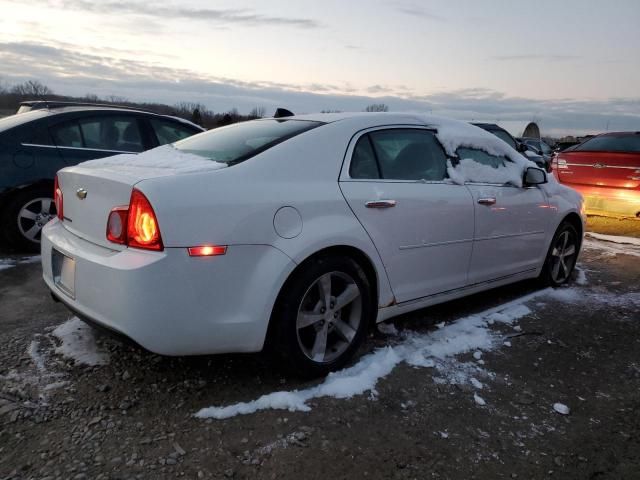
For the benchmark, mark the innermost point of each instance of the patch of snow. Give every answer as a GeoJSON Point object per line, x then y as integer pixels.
{"type": "Point", "coordinates": [479, 400]}
{"type": "Point", "coordinates": [615, 239]}
{"type": "Point", "coordinates": [610, 248]}
{"type": "Point", "coordinates": [6, 263]}
{"type": "Point", "coordinates": [581, 278]}
{"type": "Point", "coordinates": [165, 158]}
{"type": "Point", "coordinates": [561, 408]}
{"type": "Point", "coordinates": [444, 434]}
{"type": "Point", "coordinates": [477, 355]}
{"type": "Point", "coordinates": [468, 170]}
{"type": "Point", "coordinates": [36, 356]}
{"type": "Point", "coordinates": [387, 328]}
{"type": "Point", "coordinates": [30, 259]}
{"type": "Point", "coordinates": [510, 315]}
{"type": "Point", "coordinates": [55, 385]}
{"type": "Point", "coordinates": [477, 384]}
{"type": "Point", "coordinates": [506, 344]}
{"type": "Point", "coordinates": [78, 343]}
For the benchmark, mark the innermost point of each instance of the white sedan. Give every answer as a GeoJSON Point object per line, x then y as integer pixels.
{"type": "Point", "coordinates": [300, 233]}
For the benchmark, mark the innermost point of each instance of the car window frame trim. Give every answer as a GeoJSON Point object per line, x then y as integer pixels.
{"type": "Point", "coordinates": [76, 148]}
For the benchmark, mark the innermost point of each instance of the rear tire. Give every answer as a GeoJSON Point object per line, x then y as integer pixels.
{"type": "Point", "coordinates": [24, 215]}
{"type": "Point", "coordinates": [321, 317]}
{"type": "Point", "coordinates": [561, 257]}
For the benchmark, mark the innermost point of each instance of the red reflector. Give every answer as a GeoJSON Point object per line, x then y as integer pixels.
{"type": "Point", "coordinates": [207, 250]}
{"type": "Point", "coordinates": [57, 199]}
{"type": "Point", "coordinates": [117, 225]}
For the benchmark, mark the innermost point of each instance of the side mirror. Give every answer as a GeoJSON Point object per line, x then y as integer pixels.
{"type": "Point", "coordinates": [534, 176]}
{"type": "Point", "coordinates": [522, 147]}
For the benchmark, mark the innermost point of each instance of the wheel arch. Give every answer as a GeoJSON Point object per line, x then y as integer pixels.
{"type": "Point", "coordinates": [354, 253]}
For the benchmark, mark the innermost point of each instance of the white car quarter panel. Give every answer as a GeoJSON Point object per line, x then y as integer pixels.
{"type": "Point", "coordinates": [168, 302]}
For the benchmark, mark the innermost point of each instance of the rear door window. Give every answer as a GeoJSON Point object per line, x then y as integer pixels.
{"type": "Point", "coordinates": [409, 154]}
{"type": "Point", "coordinates": [363, 161]}
{"type": "Point", "coordinates": [120, 134]}
{"type": "Point", "coordinates": [67, 135]}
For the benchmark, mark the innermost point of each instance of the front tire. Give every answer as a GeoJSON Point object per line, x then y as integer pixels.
{"type": "Point", "coordinates": [561, 257]}
{"type": "Point", "coordinates": [322, 316]}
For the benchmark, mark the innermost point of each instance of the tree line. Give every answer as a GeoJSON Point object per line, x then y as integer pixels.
{"type": "Point", "coordinates": [12, 95]}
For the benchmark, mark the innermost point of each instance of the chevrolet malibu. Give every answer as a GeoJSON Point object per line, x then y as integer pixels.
{"type": "Point", "coordinates": [298, 234]}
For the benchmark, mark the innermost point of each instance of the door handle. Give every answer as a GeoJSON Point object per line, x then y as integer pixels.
{"type": "Point", "coordinates": [380, 204]}
{"type": "Point", "coordinates": [487, 201]}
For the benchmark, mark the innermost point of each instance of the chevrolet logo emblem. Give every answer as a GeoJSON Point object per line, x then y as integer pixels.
{"type": "Point", "coordinates": [599, 165]}
{"type": "Point", "coordinates": [81, 193]}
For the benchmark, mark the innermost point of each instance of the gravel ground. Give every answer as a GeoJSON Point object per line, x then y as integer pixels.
{"type": "Point", "coordinates": [132, 414]}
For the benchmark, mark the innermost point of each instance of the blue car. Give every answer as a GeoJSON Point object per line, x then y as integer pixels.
{"type": "Point", "coordinates": [47, 136]}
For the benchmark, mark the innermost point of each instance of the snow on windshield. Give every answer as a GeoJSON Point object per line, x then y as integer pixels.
{"type": "Point", "coordinates": [164, 157]}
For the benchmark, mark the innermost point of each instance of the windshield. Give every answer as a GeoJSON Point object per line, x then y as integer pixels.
{"type": "Point", "coordinates": [236, 143]}
{"type": "Point", "coordinates": [611, 143]}
{"type": "Point", "coordinates": [502, 135]}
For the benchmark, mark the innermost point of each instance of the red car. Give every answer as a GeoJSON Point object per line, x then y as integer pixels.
{"type": "Point", "coordinates": [606, 170]}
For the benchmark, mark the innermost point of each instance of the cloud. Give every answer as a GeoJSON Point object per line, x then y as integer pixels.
{"type": "Point", "coordinates": [535, 57]}
{"type": "Point", "coordinates": [159, 10]}
{"type": "Point", "coordinates": [419, 12]}
{"type": "Point", "coordinates": [72, 72]}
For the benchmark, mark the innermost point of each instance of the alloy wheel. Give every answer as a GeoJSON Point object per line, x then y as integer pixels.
{"type": "Point", "coordinates": [563, 256]}
{"type": "Point", "coordinates": [329, 316]}
{"type": "Point", "coordinates": [33, 216]}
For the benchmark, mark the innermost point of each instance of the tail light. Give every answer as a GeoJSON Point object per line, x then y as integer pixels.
{"type": "Point", "coordinates": [135, 225]}
{"type": "Point", "coordinates": [57, 198]}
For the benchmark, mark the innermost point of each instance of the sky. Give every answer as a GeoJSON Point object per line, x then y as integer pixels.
{"type": "Point", "coordinates": [572, 65]}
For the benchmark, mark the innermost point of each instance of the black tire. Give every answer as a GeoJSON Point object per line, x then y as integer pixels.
{"type": "Point", "coordinates": [15, 227]}
{"type": "Point", "coordinates": [292, 345]}
{"type": "Point", "coordinates": [561, 257]}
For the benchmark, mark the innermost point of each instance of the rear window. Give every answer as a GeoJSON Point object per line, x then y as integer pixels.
{"type": "Point", "coordinates": [611, 143]}
{"type": "Point", "coordinates": [236, 143]}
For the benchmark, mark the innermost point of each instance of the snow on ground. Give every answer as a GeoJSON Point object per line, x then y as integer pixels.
{"type": "Point", "coordinates": [78, 343]}
{"type": "Point", "coordinates": [6, 263]}
{"type": "Point", "coordinates": [432, 350]}
{"type": "Point", "coordinates": [611, 245]}
{"type": "Point", "coordinates": [615, 238]}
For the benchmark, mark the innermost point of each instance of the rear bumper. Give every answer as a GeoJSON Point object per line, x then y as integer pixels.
{"type": "Point", "coordinates": [168, 302]}
{"type": "Point", "coordinates": [610, 201]}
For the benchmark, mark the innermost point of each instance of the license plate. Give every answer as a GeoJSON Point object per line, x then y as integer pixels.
{"type": "Point", "coordinates": [64, 272]}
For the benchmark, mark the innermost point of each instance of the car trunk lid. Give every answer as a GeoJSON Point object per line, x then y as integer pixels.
{"type": "Point", "coordinates": [92, 189]}
{"type": "Point", "coordinates": [600, 169]}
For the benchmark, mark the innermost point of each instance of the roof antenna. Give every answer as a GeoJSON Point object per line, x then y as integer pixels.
{"type": "Point", "coordinates": [282, 112]}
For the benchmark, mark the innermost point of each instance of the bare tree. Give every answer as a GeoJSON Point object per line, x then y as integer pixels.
{"type": "Point", "coordinates": [257, 112]}
{"type": "Point", "coordinates": [31, 88]}
{"type": "Point", "coordinates": [117, 99]}
{"type": "Point", "coordinates": [377, 107]}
